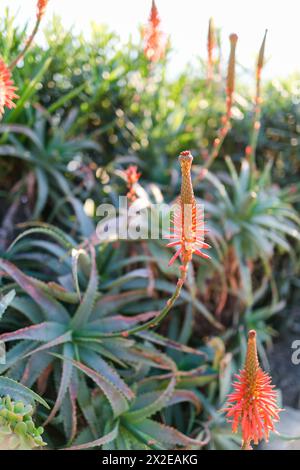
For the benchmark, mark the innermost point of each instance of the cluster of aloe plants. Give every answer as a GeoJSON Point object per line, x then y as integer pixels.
{"type": "Point", "coordinates": [79, 317]}
{"type": "Point", "coordinates": [73, 330]}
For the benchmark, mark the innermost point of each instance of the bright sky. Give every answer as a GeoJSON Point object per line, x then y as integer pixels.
{"type": "Point", "coordinates": [186, 22]}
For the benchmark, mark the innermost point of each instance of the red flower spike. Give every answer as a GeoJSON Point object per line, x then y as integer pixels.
{"type": "Point", "coordinates": [155, 44]}
{"type": "Point", "coordinates": [7, 88]}
{"type": "Point", "coordinates": [252, 406]}
{"type": "Point", "coordinates": [41, 8]}
{"type": "Point", "coordinates": [188, 231]}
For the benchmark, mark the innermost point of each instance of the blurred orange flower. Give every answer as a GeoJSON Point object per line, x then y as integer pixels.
{"type": "Point", "coordinates": [7, 88]}
{"type": "Point", "coordinates": [132, 177]}
{"type": "Point", "coordinates": [252, 405]}
{"type": "Point", "coordinates": [154, 38]}
{"type": "Point", "coordinates": [41, 8]}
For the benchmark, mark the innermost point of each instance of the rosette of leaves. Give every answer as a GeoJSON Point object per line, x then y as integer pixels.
{"type": "Point", "coordinates": [250, 219]}
{"type": "Point", "coordinates": [17, 428]}
{"type": "Point", "coordinates": [67, 330]}
{"type": "Point", "coordinates": [135, 429]}
{"type": "Point", "coordinates": [55, 172]}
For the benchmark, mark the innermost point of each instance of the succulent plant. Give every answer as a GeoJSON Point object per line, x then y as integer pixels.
{"type": "Point", "coordinates": [83, 318]}
{"type": "Point", "coordinates": [17, 428]}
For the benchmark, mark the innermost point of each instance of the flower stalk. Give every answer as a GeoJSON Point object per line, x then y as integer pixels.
{"type": "Point", "coordinates": [251, 149]}
{"type": "Point", "coordinates": [188, 232]}
{"type": "Point", "coordinates": [7, 88]}
{"type": "Point", "coordinates": [41, 8]}
{"type": "Point", "coordinates": [211, 44]}
{"type": "Point", "coordinates": [226, 118]}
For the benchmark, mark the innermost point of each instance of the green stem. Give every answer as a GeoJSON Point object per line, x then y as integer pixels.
{"type": "Point", "coordinates": [256, 124]}
{"type": "Point", "coordinates": [27, 45]}
{"type": "Point", "coordinates": [254, 138]}
{"type": "Point", "coordinates": [216, 148]}
{"type": "Point", "coordinates": [155, 321]}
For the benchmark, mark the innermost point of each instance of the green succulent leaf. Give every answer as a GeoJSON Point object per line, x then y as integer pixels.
{"type": "Point", "coordinates": [5, 301]}
{"type": "Point", "coordinates": [97, 442]}
{"type": "Point", "coordinates": [85, 308]}
{"type": "Point", "coordinates": [116, 399]}
{"type": "Point", "coordinates": [19, 392]}
{"type": "Point", "coordinates": [52, 309]}
{"type": "Point", "coordinates": [148, 404]}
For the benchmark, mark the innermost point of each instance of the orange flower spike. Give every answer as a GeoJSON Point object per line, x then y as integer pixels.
{"type": "Point", "coordinates": [252, 406]}
{"type": "Point", "coordinates": [7, 88]}
{"type": "Point", "coordinates": [188, 230]}
{"type": "Point", "coordinates": [41, 8]}
{"type": "Point", "coordinates": [155, 44]}
{"type": "Point", "coordinates": [154, 17]}
{"type": "Point", "coordinates": [211, 44]}
{"type": "Point", "coordinates": [231, 75]}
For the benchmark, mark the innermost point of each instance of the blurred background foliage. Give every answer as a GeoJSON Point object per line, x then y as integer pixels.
{"type": "Point", "coordinates": [88, 108]}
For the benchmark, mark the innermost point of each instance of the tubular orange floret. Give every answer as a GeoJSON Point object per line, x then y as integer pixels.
{"type": "Point", "coordinates": [41, 8]}
{"type": "Point", "coordinates": [188, 224]}
{"type": "Point", "coordinates": [231, 75]}
{"type": "Point", "coordinates": [252, 406]}
{"type": "Point", "coordinates": [155, 43]}
{"type": "Point", "coordinates": [7, 88]}
{"type": "Point", "coordinates": [211, 44]}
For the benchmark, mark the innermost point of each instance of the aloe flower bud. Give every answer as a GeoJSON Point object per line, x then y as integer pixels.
{"type": "Point", "coordinates": [231, 73]}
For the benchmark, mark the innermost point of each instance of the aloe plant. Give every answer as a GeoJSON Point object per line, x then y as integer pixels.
{"type": "Point", "coordinates": [135, 429]}
{"type": "Point", "coordinates": [48, 152]}
{"type": "Point", "coordinates": [80, 318]}
{"type": "Point", "coordinates": [251, 218]}
{"type": "Point", "coordinates": [80, 329]}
